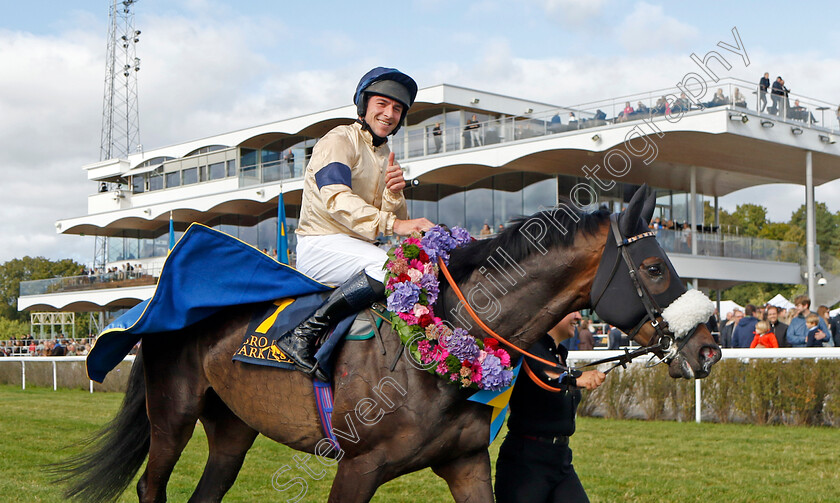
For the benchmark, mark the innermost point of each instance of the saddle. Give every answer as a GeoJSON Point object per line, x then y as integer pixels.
{"type": "Point", "coordinates": [270, 320]}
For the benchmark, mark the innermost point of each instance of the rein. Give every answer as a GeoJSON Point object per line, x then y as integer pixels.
{"type": "Point", "coordinates": [487, 329]}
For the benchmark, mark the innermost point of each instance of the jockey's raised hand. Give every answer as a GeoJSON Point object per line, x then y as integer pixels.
{"type": "Point", "coordinates": [406, 227]}
{"type": "Point", "coordinates": [394, 180]}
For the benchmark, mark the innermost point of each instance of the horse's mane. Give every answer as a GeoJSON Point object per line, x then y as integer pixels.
{"type": "Point", "coordinates": [512, 240]}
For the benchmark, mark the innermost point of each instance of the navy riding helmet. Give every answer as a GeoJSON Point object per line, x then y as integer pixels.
{"type": "Point", "coordinates": [388, 82]}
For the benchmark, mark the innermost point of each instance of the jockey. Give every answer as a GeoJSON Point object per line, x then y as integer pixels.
{"type": "Point", "coordinates": [352, 193]}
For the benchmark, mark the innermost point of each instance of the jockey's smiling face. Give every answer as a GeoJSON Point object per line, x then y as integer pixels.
{"type": "Point", "coordinates": [383, 115]}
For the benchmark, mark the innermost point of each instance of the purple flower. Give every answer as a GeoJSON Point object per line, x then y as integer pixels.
{"type": "Point", "coordinates": [461, 236]}
{"type": "Point", "coordinates": [405, 295]}
{"type": "Point", "coordinates": [461, 344]}
{"type": "Point", "coordinates": [430, 283]}
{"type": "Point", "coordinates": [493, 376]}
{"type": "Point", "coordinates": [437, 243]}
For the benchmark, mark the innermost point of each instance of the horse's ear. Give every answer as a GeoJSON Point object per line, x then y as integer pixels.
{"type": "Point", "coordinates": [629, 221]}
{"type": "Point", "coordinates": [650, 205]}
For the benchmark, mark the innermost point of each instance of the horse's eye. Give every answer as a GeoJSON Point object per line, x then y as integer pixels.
{"type": "Point", "coordinates": [654, 270]}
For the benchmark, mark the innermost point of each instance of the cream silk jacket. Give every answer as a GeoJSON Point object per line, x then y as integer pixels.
{"type": "Point", "coordinates": [344, 188]}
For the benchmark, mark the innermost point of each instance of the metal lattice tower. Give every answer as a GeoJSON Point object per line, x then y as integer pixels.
{"type": "Point", "coordinates": [120, 112]}
{"type": "Point", "coordinates": [120, 115]}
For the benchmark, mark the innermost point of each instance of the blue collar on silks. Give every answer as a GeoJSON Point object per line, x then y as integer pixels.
{"type": "Point", "coordinates": [206, 271]}
{"type": "Point", "coordinates": [499, 400]}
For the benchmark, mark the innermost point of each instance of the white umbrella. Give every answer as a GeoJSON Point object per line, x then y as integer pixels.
{"type": "Point", "coordinates": [781, 302]}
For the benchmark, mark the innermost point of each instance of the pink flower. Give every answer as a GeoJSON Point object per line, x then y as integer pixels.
{"type": "Point", "coordinates": [412, 241]}
{"type": "Point", "coordinates": [415, 263]}
{"type": "Point", "coordinates": [408, 318]}
{"type": "Point", "coordinates": [415, 275]}
{"type": "Point", "coordinates": [476, 375]}
{"type": "Point", "coordinates": [398, 266]}
{"type": "Point", "coordinates": [420, 310]}
{"type": "Point", "coordinates": [398, 252]}
{"type": "Point", "coordinates": [504, 357]}
{"type": "Point", "coordinates": [429, 268]}
{"type": "Point", "coordinates": [442, 369]}
{"type": "Point", "coordinates": [453, 376]}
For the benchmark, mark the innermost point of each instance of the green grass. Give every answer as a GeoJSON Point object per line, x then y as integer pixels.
{"type": "Point", "coordinates": [616, 460]}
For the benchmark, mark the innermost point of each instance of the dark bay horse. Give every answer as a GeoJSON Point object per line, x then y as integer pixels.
{"type": "Point", "coordinates": [389, 423]}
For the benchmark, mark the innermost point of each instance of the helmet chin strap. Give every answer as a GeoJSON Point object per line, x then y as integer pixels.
{"type": "Point", "coordinates": [377, 140]}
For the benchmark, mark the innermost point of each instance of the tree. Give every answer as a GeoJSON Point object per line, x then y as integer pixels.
{"type": "Point", "coordinates": [27, 269]}
{"type": "Point", "coordinates": [828, 230]}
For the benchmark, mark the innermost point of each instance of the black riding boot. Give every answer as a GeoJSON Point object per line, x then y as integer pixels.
{"type": "Point", "coordinates": [352, 296]}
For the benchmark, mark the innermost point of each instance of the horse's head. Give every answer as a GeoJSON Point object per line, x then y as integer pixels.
{"type": "Point", "coordinates": [637, 289]}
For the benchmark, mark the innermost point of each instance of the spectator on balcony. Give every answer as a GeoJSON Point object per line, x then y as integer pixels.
{"type": "Point", "coordinates": [682, 104]}
{"type": "Point", "coordinates": [797, 332]}
{"type": "Point", "coordinates": [717, 100]}
{"type": "Point", "coordinates": [474, 130]}
{"type": "Point", "coordinates": [485, 230]}
{"type": "Point", "coordinates": [801, 113]}
{"type": "Point", "coordinates": [771, 314]}
{"type": "Point", "coordinates": [662, 107]}
{"type": "Point", "coordinates": [555, 125]}
{"type": "Point", "coordinates": [764, 337]}
{"type": "Point", "coordinates": [33, 348]}
{"type": "Point", "coordinates": [825, 316]}
{"type": "Point", "coordinates": [779, 94]}
{"type": "Point", "coordinates": [738, 99]}
{"type": "Point", "coordinates": [763, 87]}
{"type": "Point", "coordinates": [437, 136]}
{"type": "Point", "coordinates": [642, 109]}
{"type": "Point", "coordinates": [625, 114]}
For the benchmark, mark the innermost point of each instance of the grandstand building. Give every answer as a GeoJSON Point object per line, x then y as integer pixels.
{"type": "Point", "coordinates": [524, 157]}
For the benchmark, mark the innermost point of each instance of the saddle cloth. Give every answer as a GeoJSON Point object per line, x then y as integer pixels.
{"type": "Point", "coordinates": [271, 320]}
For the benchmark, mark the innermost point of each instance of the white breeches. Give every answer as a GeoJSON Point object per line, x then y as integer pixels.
{"type": "Point", "coordinates": [334, 258]}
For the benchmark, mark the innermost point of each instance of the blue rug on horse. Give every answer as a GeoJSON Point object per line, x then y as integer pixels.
{"type": "Point", "coordinates": [205, 271]}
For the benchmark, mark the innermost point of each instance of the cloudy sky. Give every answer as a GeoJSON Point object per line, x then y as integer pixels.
{"type": "Point", "coordinates": [211, 66]}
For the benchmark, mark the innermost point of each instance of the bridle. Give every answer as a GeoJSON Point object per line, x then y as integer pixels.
{"type": "Point", "coordinates": [665, 345]}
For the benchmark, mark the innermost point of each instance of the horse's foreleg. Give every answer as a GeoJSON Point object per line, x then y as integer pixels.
{"type": "Point", "coordinates": [356, 480]}
{"type": "Point", "coordinates": [468, 477]}
{"type": "Point", "coordinates": [228, 439]}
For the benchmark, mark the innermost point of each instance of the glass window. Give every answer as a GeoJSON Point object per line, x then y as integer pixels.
{"type": "Point", "coordinates": [217, 170]}
{"type": "Point", "coordinates": [231, 167]}
{"type": "Point", "coordinates": [451, 208]}
{"type": "Point", "coordinates": [115, 249]}
{"type": "Point", "coordinates": [267, 238]}
{"type": "Point", "coordinates": [173, 179]}
{"type": "Point", "coordinates": [138, 184]}
{"type": "Point", "coordinates": [539, 193]}
{"type": "Point", "coordinates": [422, 202]}
{"type": "Point", "coordinates": [248, 229]}
{"type": "Point", "coordinates": [507, 197]}
{"type": "Point", "coordinates": [248, 157]}
{"type": "Point", "coordinates": [162, 244]}
{"type": "Point", "coordinates": [155, 181]}
{"type": "Point", "coordinates": [190, 176]}
{"type": "Point", "coordinates": [230, 225]}
{"type": "Point", "coordinates": [147, 248]}
{"type": "Point", "coordinates": [479, 204]}
{"type": "Point", "coordinates": [131, 248]}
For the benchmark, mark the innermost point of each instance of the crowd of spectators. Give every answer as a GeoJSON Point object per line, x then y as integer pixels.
{"type": "Point", "coordinates": [29, 345]}
{"type": "Point", "coordinates": [772, 326]}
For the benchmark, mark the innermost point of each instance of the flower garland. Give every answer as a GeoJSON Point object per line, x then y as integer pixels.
{"type": "Point", "coordinates": [412, 286]}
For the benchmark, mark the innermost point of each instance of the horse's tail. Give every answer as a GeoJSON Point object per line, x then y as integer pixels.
{"type": "Point", "coordinates": [113, 455]}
